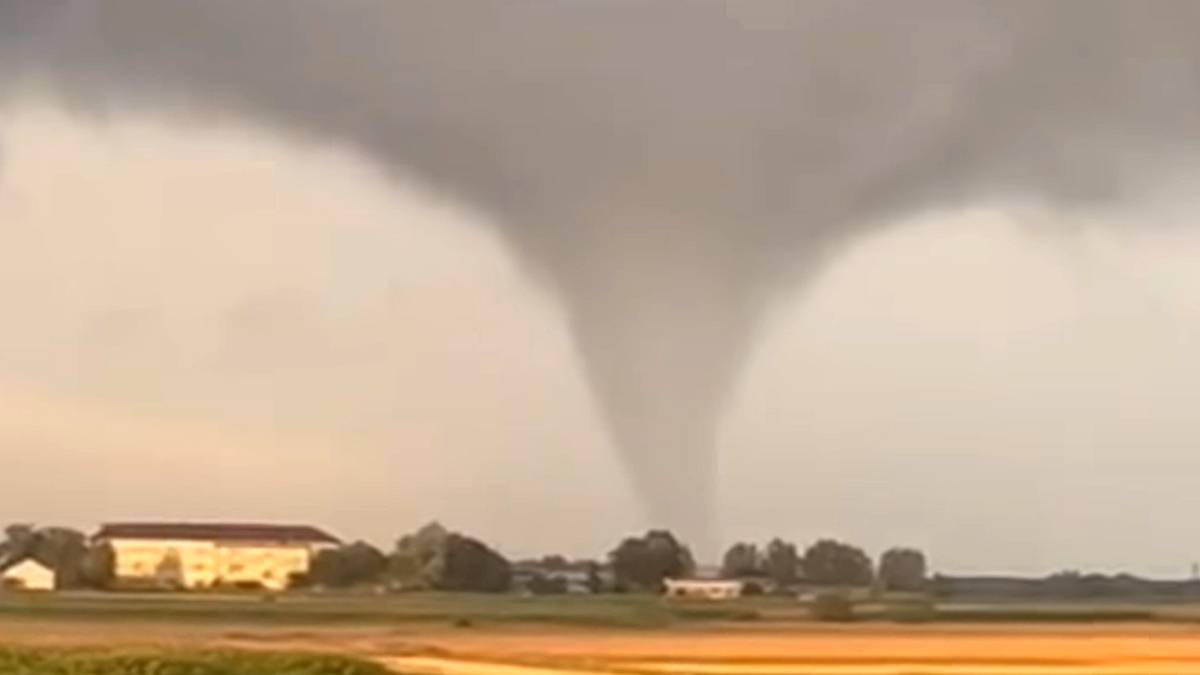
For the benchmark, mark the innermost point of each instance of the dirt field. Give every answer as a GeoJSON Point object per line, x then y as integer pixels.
{"type": "Point", "coordinates": [715, 650]}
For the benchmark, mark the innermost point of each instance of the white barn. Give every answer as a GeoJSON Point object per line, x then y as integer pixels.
{"type": "Point", "coordinates": [706, 589]}
{"type": "Point", "coordinates": [205, 555]}
{"type": "Point", "coordinates": [28, 575]}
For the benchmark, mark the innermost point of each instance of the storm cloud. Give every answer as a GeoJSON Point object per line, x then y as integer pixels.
{"type": "Point", "coordinates": [666, 169]}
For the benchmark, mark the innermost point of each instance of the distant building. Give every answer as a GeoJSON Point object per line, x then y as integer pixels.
{"type": "Point", "coordinates": [574, 578]}
{"type": "Point", "coordinates": [203, 555]}
{"type": "Point", "coordinates": [706, 589]}
{"type": "Point", "coordinates": [28, 575]}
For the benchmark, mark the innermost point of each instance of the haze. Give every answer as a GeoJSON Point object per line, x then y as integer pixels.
{"type": "Point", "coordinates": [370, 278]}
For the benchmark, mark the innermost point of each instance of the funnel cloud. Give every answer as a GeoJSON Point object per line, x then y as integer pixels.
{"type": "Point", "coordinates": [667, 169]}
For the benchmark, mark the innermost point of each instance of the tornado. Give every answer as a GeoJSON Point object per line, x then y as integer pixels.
{"type": "Point", "coordinates": [666, 169]}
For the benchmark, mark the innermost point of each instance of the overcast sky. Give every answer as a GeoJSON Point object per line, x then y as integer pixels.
{"type": "Point", "coordinates": [210, 319]}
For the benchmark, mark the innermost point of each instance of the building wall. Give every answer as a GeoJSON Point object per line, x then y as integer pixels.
{"type": "Point", "coordinates": [272, 566]}
{"type": "Point", "coordinates": [202, 564]}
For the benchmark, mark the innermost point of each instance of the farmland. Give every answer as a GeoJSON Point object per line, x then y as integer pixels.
{"type": "Point", "coordinates": [68, 661]}
{"type": "Point", "coordinates": [617, 611]}
{"type": "Point", "coordinates": [459, 634]}
{"type": "Point", "coordinates": [601, 611]}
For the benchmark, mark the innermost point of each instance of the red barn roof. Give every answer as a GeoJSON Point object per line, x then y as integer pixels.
{"type": "Point", "coordinates": [217, 532]}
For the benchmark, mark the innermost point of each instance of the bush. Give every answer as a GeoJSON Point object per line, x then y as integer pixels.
{"type": "Point", "coordinates": [832, 606]}
{"type": "Point", "coordinates": [914, 610]}
{"type": "Point", "coordinates": [752, 589]}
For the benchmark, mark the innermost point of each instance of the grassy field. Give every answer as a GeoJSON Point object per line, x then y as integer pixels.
{"type": "Point", "coordinates": [446, 608]}
{"type": "Point", "coordinates": [708, 649]}
{"type": "Point", "coordinates": [461, 634]}
{"type": "Point", "coordinates": [45, 661]}
{"type": "Point", "coordinates": [469, 610]}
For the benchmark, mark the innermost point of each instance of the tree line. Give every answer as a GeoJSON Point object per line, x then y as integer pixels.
{"type": "Point", "coordinates": [432, 558]}
{"type": "Point", "coordinates": [827, 562]}
{"type": "Point", "coordinates": [436, 558]}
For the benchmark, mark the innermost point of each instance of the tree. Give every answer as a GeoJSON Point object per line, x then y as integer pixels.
{"type": "Point", "coordinates": [61, 549]}
{"type": "Point", "coordinates": [595, 583]}
{"type": "Point", "coordinates": [19, 540]}
{"type": "Point", "coordinates": [471, 566]}
{"type": "Point", "coordinates": [346, 566]}
{"type": "Point", "coordinates": [169, 571]}
{"type": "Point", "coordinates": [832, 606]}
{"type": "Point", "coordinates": [98, 568]}
{"type": "Point", "coordinates": [419, 558]}
{"type": "Point", "coordinates": [64, 551]}
{"type": "Point", "coordinates": [1065, 584]}
{"type": "Point", "coordinates": [833, 563]}
{"type": "Point", "coordinates": [643, 562]}
{"type": "Point", "coordinates": [902, 569]}
{"type": "Point", "coordinates": [436, 558]}
{"type": "Point", "coordinates": [782, 562]}
{"type": "Point", "coordinates": [741, 560]}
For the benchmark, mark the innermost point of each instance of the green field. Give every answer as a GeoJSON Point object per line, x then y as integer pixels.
{"type": "Point", "coordinates": [468, 610]}
{"type": "Point", "coordinates": [448, 608]}
{"type": "Point", "coordinates": [43, 661]}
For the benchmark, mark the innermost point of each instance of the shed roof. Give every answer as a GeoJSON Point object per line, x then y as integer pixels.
{"type": "Point", "coordinates": [217, 532]}
{"type": "Point", "coordinates": [25, 566]}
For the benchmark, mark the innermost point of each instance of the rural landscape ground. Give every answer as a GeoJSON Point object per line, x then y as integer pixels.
{"type": "Point", "coordinates": [471, 635]}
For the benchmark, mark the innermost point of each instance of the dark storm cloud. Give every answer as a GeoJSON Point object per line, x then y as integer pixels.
{"type": "Point", "coordinates": [665, 166]}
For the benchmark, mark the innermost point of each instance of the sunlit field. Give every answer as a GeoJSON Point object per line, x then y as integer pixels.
{"type": "Point", "coordinates": [462, 634]}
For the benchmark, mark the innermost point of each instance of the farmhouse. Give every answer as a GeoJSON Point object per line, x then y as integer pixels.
{"type": "Point", "coordinates": [28, 575]}
{"type": "Point", "coordinates": [202, 555]}
{"type": "Point", "coordinates": [707, 589]}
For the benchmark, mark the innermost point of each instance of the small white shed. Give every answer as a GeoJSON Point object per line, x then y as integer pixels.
{"type": "Point", "coordinates": [708, 589]}
{"type": "Point", "coordinates": [28, 575]}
